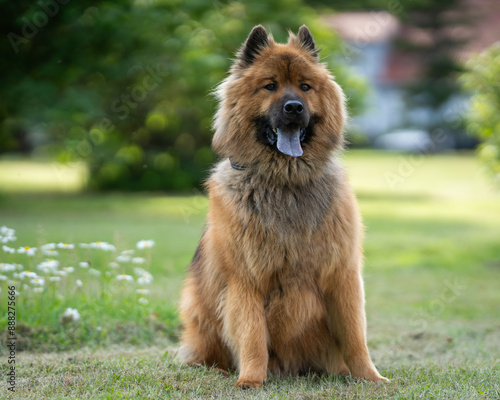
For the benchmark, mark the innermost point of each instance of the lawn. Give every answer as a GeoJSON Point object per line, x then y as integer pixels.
{"type": "Point", "coordinates": [431, 275]}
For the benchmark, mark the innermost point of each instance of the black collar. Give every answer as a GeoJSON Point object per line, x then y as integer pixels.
{"type": "Point", "coordinates": [236, 166]}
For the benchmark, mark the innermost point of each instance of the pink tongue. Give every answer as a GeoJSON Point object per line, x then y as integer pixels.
{"type": "Point", "coordinates": [289, 143]}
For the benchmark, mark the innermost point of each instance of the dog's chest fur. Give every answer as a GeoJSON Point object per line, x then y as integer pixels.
{"type": "Point", "coordinates": [279, 208]}
{"type": "Point", "coordinates": [280, 226]}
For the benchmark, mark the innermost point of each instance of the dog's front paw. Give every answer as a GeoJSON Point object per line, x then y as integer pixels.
{"type": "Point", "coordinates": [369, 375]}
{"type": "Point", "coordinates": [377, 378]}
{"type": "Point", "coordinates": [244, 383]}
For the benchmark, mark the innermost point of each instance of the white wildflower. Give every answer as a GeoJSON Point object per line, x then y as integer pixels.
{"type": "Point", "coordinates": [84, 264]}
{"type": "Point", "coordinates": [6, 231]}
{"type": "Point", "coordinates": [70, 315]}
{"type": "Point", "coordinates": [7, 235]}
{"type": "Point", "coordinates": [79, 283]}
{"type": "Point", "coordinates": [143, 301]}
{"type": "Point", "coordinates": [145, 244]}
{"type": "Point", "coordinates": [62, 245]}
{"type": "Point", "coordinates": [145, 279]}
{"type": "Point", "coordinates": [30, 251]}
{"type": "Point", "coordinates": [49, 249]}
{"type": "Point", "coordinates": [61, 273]}
{"type": "Point", "coordinates": [28, 274]}
{"type": "Point", "coordinates": [48, 266]}
{"type": "Point", "coordinates": [3, 278]}
{"type": "Point", "coordinates": [123, 258]}
{"type": "Point", "coordinates": [114, 264]}
{"type": "Point", "coordinates": [38, 282]}
{"type": "Point", "coordinates": [124, 277]}
{"type": "Point", "coordinates": [38, 289]}
{"type": "Point", "coordinates": [138, 260]}
{"type": "Point", "coordinates": [102, 246]}
{"type": "Point", "coordinates": [69, 269]}
{"type": "Point", "coordinates": [127, 252]}
{"type": "Point", "coordinates": [139, 271]}
{"type": "Point", "coordinates": [5, 267]}
{"type": "Point", "coordinates": [8, 249]}
{"type": "Point", "coordinates": [54, 278]}
{"type": "Point", "coordinates": [142, 291]}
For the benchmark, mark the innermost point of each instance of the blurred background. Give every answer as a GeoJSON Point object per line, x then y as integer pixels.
{"type": "Point", "coordinates": [105, 114]}
{"type": "Point", "coordinates": [123, 87]}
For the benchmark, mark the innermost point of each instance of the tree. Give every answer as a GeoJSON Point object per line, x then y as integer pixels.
{"type": "Point", "coordinates": [483, 117]}
{"type": "Point", "coordinates": [434, 33]}
{"type": "Point", "coordinates": [125, 85]}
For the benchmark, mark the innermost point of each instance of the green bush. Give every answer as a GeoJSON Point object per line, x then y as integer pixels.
{"type": "Point", "coordinates": [483, 118]}
{"type": "Point", "coordinates": [125, 85]}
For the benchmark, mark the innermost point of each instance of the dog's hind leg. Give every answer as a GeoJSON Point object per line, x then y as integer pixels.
{"type": "Point", "coordinates": [201, 343]}
{"type": "Point", "coordinates": [347, 322]}
{"type": "Point", "coordinates": [204, 348]}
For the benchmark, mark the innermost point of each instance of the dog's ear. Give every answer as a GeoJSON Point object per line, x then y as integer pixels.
{"type": "Point", "coordinates": [256, 41]}
{"type": "Point", "coordinates": [307, 41]}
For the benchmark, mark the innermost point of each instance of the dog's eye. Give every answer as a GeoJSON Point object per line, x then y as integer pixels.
{"type": "Point", "coordinates": [271, 87]}
{"type": "Point", "coordinates": [304, 87]}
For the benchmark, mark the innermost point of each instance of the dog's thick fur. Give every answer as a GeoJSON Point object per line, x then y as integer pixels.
{"type": "Point", "coordinates": [275, 284]}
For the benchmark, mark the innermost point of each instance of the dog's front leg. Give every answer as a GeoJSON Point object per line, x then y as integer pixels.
{"type": "Point", "coordinates": [245, 326]}
{"type": "Point", "coordinates": [346, 319]}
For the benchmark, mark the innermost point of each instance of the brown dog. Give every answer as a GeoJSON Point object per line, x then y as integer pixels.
{"type": "Point", "coordinates": [275, 283]}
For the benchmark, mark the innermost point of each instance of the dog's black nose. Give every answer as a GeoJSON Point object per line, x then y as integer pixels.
{"type": "Point", "coordinates": [293, 107]}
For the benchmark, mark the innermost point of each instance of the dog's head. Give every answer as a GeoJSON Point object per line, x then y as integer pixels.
{"type": "Point", "coordinates": [279, 105]}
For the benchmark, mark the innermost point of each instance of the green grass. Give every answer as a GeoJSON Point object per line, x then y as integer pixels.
{"type": "Point", "coordinates": [26, 176]}
{"type": "Point", "coordinates": [132, 373]}
{"type": "Point", "coordinates": [431, 278]}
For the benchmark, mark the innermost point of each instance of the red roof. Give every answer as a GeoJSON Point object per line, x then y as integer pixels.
{"type": "Point", "coordinates": [363, 27]}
